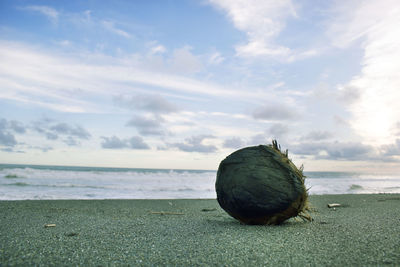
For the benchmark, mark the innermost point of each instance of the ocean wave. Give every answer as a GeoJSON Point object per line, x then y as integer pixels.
{"type": "Point", "coordinates": [47, 182]}
{"type": "Point", "coordinates": [18, 184]}
{"type": "Point", "coordinates": [140, 175]}
{"type": "Point", "coordinates": [392, 187]}
{"type": "Point", "coordinates": [11, 176]}
{"type": "Point", "coordinates": [354, 187]}
{"type": "Point", "coordinates": [56, 186]}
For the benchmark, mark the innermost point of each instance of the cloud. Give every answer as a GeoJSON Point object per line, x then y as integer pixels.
{"type": "Point", "coordinates": [354, 20]}
{"type": "Point", "coordinates": [336, 150]}
{"type": "Point", "coordinates": [278, 130]}
{"type": "Point", "coordinates": [215, 59]}
{"type": "Point", "coordinates": [7, 139]}
{"type": "Point", "coordinates": [49, 12]}
{"type": "Point", "coordinates": [259, 139]}
{"type": "Point", "coordinates": [374, 92]}
{"type": "Point", "coordinates": [157, 48]}
{"type": "Point", "coordinates": [110, 26]}
{"type": "Point", "coordinates": [154, 105]}
{"type": "Point", "coordinates": [51, 136]}
{"type": "Point", "coordinates": [63, 43]}
{"type": "Point", "coordinates": [7, 149]}
{"type": "Point", "coordinates": [262, 21]}
{"type": "Point", "coordinates": [348, 94]}
{"type": "Point", "coordinates": [234, 142]}
{"type": "Point", "coordinates": [7, 128]}
{"type": "Point", "coordinates": [53, 130]}
{"type": "Point", "coordinates": [183, 61]}
{"type": "Point", "coordinates": [274, 112]}
{"type": "Point", "coordinates": [147, 125]}
{"type": "Point", "coordinates": [341, 121]}
{"type": "Point", "coordinates": [136, 142]}
{"type": "Point", "coordinates": [317, 136]}
{"type": "Point", "coordinates": [396, 129]}
{"type": "Point", "coordinates": [42, 148]}
{"type": "Point", "coordinates": [12, 125]}
{"type": "Point", "coordinates": [66, 129]}
{"type": "Point", "coordinates": [114, 142]}
{"type": "Point", "coordinates": [34, 77]}
{"type": "Point", "coordinates": [16, 126]}
{"type": "Point", "coordinates": [150, 103]}
{"type": "Point", "coordinates": [3, 124]}
{"type": "Point", "coordinates": [392, 149]}
{"type": "Point", "coordinates": [70, 141]}
{"type": "Point", "coordinates": [350, 151]}
{"type": "Point", "coordinates": [195, 144]}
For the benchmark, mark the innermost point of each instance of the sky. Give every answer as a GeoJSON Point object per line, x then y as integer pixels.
{"type": "Point", "coordinates": [182, 84]}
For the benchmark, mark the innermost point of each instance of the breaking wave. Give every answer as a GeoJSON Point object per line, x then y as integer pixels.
{"type": "Point", "coordinates": [60, 182]}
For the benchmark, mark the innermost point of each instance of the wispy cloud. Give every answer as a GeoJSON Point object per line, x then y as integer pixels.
{"type": "Point", "coordinates": [216, 58]}
{"type": "Point", "coordinates": [150, 111]}
{"type": "Point", "coordinates": [156, 48]}
{"type": "Point", "coordinates": [68, 84]}
{"type": "Point", "coordinates": [261, 21]}
{"type": "Point", "coordinates": [374, 93]}
{"type": "Point", "coordinates": [152, 103]}
{"type": "Point", "coordinates": [110, 26]}
{"type": "Point", "coordinates": [183, 61]}
{"type": "Point", "coordinates": [47, 11]}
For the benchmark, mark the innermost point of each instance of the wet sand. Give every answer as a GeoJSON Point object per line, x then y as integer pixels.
{"type": "Point", "coordinates": [364, 231]}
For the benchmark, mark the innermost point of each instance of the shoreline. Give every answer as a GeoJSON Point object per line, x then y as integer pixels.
{"type": "Point", "coordinates": [194, 232]}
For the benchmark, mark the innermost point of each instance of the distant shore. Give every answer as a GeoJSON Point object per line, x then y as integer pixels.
{"type": "Point", "coordinates": [364, 231]}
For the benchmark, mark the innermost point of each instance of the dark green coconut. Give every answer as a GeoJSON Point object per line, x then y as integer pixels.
{"type": "Point", "coordinates": [260, 185]}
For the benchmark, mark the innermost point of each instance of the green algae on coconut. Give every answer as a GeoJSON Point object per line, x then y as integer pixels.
{"type": "Point", "coordinates": [261, 185]}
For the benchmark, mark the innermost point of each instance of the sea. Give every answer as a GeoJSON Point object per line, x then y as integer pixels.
{"type": "Point", "coordinates": [20, 182]}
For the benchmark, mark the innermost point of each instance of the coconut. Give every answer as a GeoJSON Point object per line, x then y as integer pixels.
{"type": "Point", "coordinates": [261, 185]}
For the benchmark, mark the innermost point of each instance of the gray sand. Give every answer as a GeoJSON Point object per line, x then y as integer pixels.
{"type": "Point", "coordinates": [365, 232]}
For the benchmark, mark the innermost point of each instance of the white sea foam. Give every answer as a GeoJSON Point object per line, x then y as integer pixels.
{"type": "Point", "coordinates": [44, 182]}
{"type": "Point", "coordinates": [30, 183]}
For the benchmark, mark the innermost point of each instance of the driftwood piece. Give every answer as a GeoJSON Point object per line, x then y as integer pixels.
{"type": "Point", "coordinates": [334, 205]}
{"type": "Point", "coordinates": [208, 209]}
{"type": "Point", "coordinates": [166, 213]}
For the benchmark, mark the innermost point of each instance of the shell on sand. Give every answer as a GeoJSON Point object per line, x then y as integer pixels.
{"type": "Point", "coordinates": [260, 185]}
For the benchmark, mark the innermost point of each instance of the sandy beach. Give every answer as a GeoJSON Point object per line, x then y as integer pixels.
{"type": "Point", "coordinates": [364, 231]}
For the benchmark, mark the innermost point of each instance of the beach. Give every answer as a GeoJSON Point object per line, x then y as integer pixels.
{"type": "Point", "coordinates": [364, 231]}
